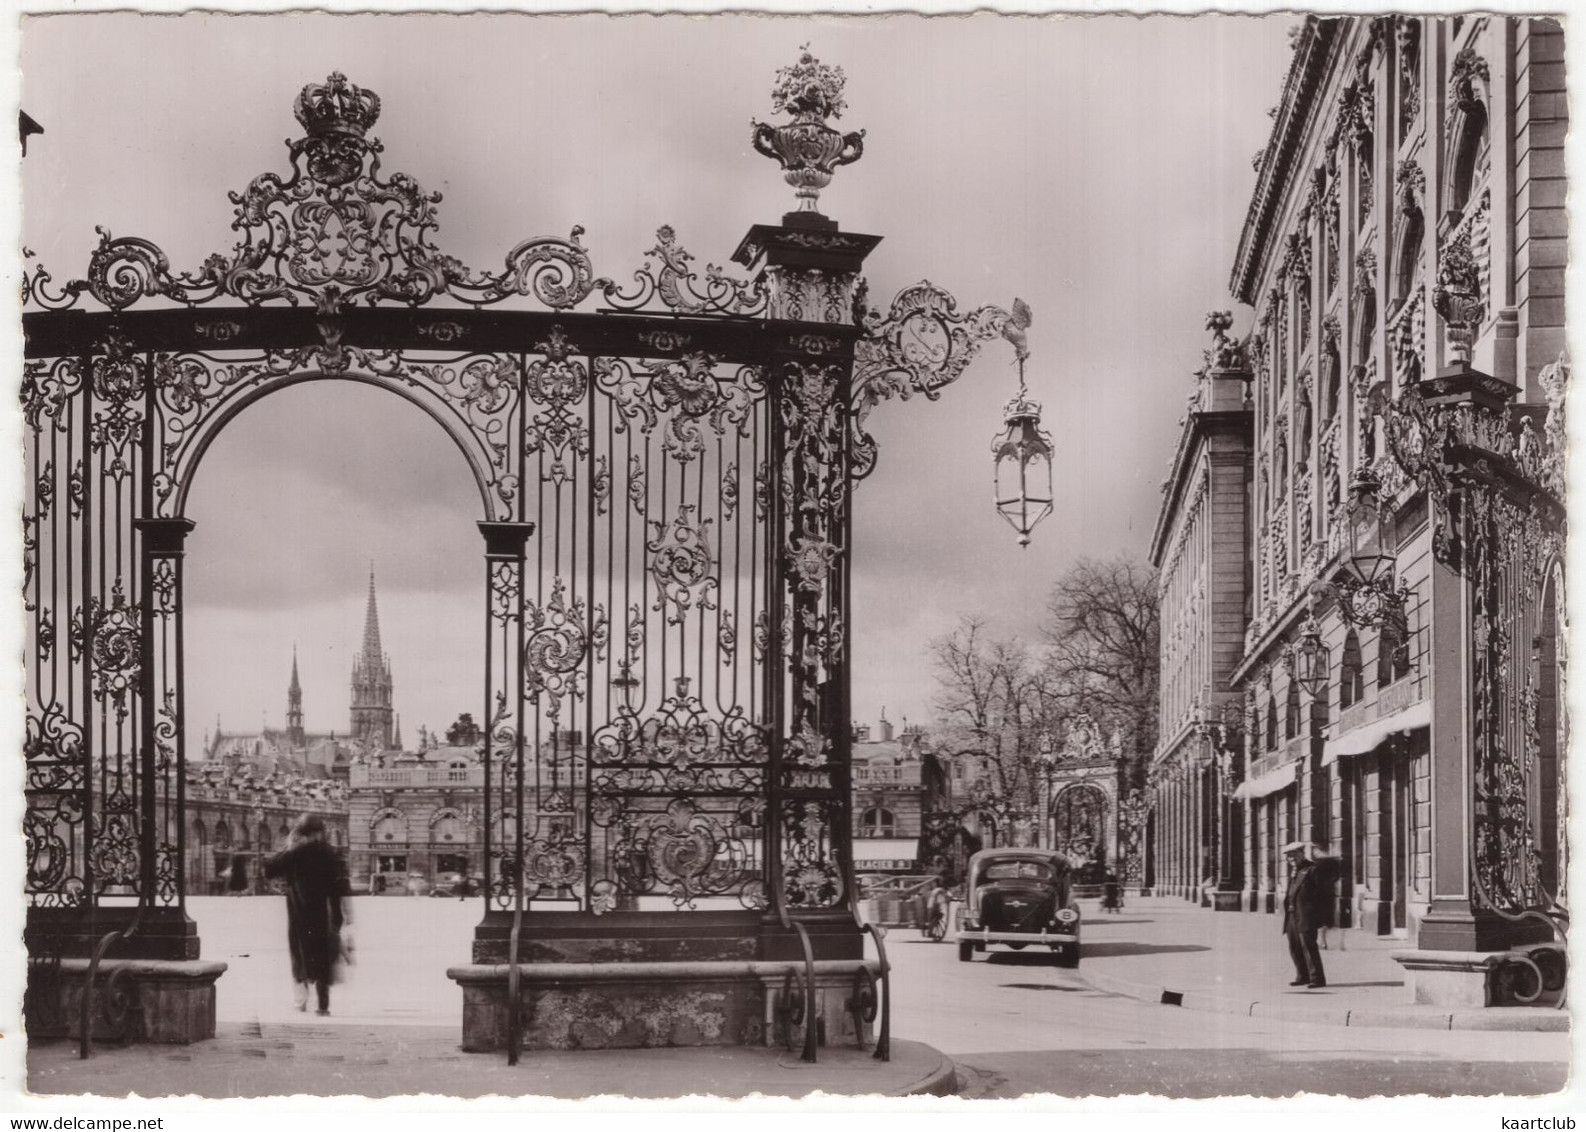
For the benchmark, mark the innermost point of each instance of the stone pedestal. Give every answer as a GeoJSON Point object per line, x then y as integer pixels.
{"type": "Point", "coordinates": [135, 1000]}
{"type": "Point", "coordinates": [1530, 975]}
{"type": "Point", "coordinates": [630, 980]}
{"type": "Point", "coordinates": [637, 1005]}
{"type": "Point", "coordinates": [1227, 900]}
{"type": "Point", "coordinates": [1450, 978]}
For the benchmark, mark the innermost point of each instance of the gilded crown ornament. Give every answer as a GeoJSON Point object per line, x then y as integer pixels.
{"type": "Point", "coordinates": [336, 107]}
{"type": "Point", "coordinates": [336, 114]}
{"type": "Point", "coordinates": [808, 150]}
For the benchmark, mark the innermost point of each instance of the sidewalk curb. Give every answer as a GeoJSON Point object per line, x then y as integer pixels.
{"type": "Point", "coordinates": [1510, 1018]}
{"type": "Point", "coordinates": [940, 1082]}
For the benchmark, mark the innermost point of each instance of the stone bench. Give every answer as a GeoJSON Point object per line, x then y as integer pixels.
{"type": "Point", "coordinates": [641, 1004]}
{"type": "Point", "coordinates": [136, 1000]}
{"type": "Point", "coordinates": [1485, 978]}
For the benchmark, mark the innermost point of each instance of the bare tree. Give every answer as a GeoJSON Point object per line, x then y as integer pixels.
{"type": "Point", "coordinates": [991, 716]}
{"type": "Point", "coordinates": [1103, 636]}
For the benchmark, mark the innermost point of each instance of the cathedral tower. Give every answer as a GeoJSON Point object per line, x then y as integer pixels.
{"type": "Point", "coordinates": [294, 706]}
{"type": "Point", "coordinates": [371, 684]}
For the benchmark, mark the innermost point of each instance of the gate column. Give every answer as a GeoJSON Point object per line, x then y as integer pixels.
{"type": "Point", "coordinates": [811, 270]}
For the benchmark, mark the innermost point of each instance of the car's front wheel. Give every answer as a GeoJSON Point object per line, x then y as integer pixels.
{"type": "Point", "coordinates": [966, 953]}
{"type": "Point", "coordinates": [1067, 954]}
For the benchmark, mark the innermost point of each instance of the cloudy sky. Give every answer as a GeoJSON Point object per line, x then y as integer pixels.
{"type": "Point", "coordinates": [1097, 167]}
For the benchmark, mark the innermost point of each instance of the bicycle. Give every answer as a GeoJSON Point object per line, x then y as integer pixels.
{"type": "Point", "coordinates": [935, 928]}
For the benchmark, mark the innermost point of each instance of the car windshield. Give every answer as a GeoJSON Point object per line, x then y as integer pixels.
{"type": "Point", "coordinates": [1017, 870]}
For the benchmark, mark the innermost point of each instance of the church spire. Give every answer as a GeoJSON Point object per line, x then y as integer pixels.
{"type": "Point", "coordinates": [294, 706]}
{"type": "Point", "coordinates": [372, 653]}
{"type": "Point", "coordinates": [371, 683]}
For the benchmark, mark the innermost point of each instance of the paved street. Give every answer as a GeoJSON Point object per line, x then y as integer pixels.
{"type": "Point", "coordinates": [1014, 1022]}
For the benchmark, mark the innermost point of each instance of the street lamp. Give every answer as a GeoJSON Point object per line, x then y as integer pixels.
{"type": "Point", "coordinates": [1312, 665]}
{"type": "Point", "coordinates": [1366, 587]}
{"type": "Point", "coordinates": [1023, 472]}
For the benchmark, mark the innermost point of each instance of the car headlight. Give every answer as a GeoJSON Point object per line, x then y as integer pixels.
{"type": "Point", "coordinates": [1067, 916]}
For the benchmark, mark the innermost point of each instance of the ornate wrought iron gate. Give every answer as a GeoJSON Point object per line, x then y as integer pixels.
{"type": "Point", "coordinates": [664, 483]}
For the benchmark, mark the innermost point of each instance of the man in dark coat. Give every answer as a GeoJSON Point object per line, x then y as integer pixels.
{"type": "Point", "coordinates": [1304, 911]}
{"type": "Point", "coordinates": [315, 884]}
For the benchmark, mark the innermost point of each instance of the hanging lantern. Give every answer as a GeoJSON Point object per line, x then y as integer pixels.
{"type": "Point", "coordinates": [1023, 473]}
{"type": "Point", "coordinates": [1367, 583]}
{"type": "Point", "coordinates": [1371, 533]}
{"type": "Point", "coordinates": [1312, 665]}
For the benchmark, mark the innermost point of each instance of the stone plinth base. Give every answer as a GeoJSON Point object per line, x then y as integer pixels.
{"type": "Point", "coordinates": [1450, 978]}
{"type": "Point", "coordinates": [135, 1000]}
{"type": "Point", "coordinates": [1533, 975]}
{"type": "Point", "coordinates": [1227, 900]}
{"type": "Point", "coordinates": [649, 1004]}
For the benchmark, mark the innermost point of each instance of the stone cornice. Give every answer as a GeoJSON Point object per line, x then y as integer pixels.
{"type": "Point", "coordinates": [1299, 107]}
{"type": "Point", "coordinates": [1197, 426]}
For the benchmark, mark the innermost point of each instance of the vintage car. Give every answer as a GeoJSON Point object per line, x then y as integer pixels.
{"type": "Point", "coordinates": [1019, 897]}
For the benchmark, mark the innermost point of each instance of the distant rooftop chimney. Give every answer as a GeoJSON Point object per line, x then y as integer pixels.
{"type": "Point", "coordinates": [886, 727]}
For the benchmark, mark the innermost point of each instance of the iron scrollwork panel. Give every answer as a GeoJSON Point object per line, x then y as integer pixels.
{"type": "Point", "coordinates": [90, 818]}
{"type": "Point", "coordinates": [813, 860]}
{"type": "Point", "coordinates": [1507, 553]}
{"type": "Point", "coordinates": [473, 396]}
{"type": "Point", "coordinates": [644, 747]}
{"type": "Point", "coordinates": [57, 783]}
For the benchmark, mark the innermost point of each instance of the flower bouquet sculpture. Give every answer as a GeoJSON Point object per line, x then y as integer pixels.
{"type": "Point", "coordinates": [808, 150]}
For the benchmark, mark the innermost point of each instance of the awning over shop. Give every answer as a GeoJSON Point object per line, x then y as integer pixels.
{"type": "Point", "coordinates": [1269, 783]}
{"type": "Point", "coordinates": [879, 854]}
{"type": "Point", "coordinates": [1363, 740]}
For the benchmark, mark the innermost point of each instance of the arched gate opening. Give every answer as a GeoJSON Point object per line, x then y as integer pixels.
{"type": "Point", "coordinates": [665, 490]}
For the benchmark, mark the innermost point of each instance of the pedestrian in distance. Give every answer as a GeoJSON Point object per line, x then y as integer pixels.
{"type": "Point", "coordinates": [1328, 870]}
{"type": "Point", "coordinates": [237, 876]}
{"type": "Point", "coordinates": [1304, 911]}
{"type": "Point", "coordinates": [315, 918]}
{"type": "Point", "coordinates": [1111, 893]}
{"type": "Point", "coordinates": [936, 907]}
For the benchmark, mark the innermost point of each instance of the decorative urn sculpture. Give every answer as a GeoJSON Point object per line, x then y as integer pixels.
{"type": "Point", "coordinates": [808, 150]}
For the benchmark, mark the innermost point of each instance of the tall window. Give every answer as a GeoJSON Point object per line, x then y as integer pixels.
{"type": "Point", "coordinates": [1351, 680]}
{"type": "Point", "coordinates": [1291, 711]}
{"type": "Point", "coordinates": [1408, 261]}
{"type": "Point", "coordinates": [877, 822]}
{"type": "Point", "coordinates": [1272, 725]}
{"type": "Point", "coordinates": [1393, 654]}
{"type": "Point", "coordinates": [1467, 152]}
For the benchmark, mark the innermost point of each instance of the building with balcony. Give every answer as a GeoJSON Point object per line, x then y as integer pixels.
{"type": "Point", "coordinates": [415, 819]}
{"type": "Point", "coordinates": [889, 781]}
{"type": "Point", "coordinates": [1382, 607]}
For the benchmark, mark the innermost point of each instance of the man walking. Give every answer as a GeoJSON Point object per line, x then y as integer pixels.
{"type": "Point", "coordinates": [1304, 911]}
{"type": "Point", "coordinates": [315, 885]}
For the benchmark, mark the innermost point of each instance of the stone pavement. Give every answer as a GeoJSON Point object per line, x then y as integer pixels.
{"type": "Point", "coordinates": [1165, 949]}
{"type": "Point", "coordinates": [322, 1057]}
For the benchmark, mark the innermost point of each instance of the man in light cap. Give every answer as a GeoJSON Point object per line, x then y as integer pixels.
{"type": "Point", "coordinates": [1304, 907]}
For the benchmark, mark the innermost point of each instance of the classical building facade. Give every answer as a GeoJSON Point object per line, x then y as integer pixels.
{"type": "Point", "coordinates": [1199, 549]}
{"type": "Point", "coordinates": [236, 818]}
{"type": "Point", "coordinates": [1398, 558]}
{"type": "Point", "coordinates": [889, 785]}
{"type": "Point", "coordinates": [415, 818]}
